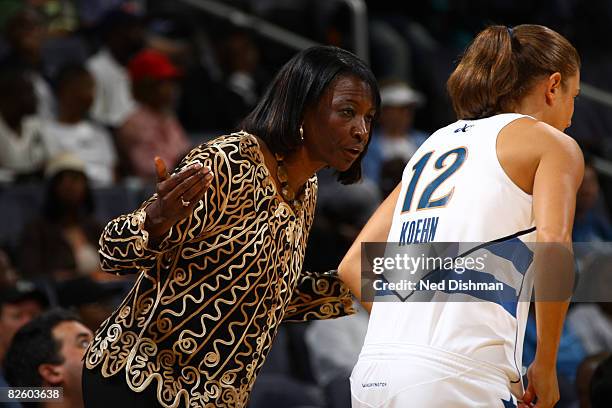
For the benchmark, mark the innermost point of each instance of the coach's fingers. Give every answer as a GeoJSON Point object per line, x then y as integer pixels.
{"type": "Point", "coordinates": [168, 186]}
{"type": "Point", "coordinates": [197, 191]}
{"type": "Point", "coordinates": [160, 169]}
{"type": "Point", "coordinates": [192, 181]}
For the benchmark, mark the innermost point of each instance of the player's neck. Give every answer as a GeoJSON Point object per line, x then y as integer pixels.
{"type": "Point", "coordinates": [531, 106]}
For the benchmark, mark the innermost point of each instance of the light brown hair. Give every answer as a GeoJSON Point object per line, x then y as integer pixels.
{"type": "Point", "coordinates": [502, 64]}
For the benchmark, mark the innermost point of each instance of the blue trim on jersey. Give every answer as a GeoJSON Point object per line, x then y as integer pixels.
{"type": "Point", "coordinates": [506, 297]}
{"type": "Point", "coordinates": [515, 251]}
{"type": "Point", "coordinates": [510, 403]}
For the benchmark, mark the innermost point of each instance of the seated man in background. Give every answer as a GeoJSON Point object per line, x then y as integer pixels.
{"type": "Point", "coordinates": [20, 302]}
{"type": "Point", "coordinates": [601, 385]}
{"type": "Point", "coordinates": [152, 130]}
{"type": "Point", "coordinates": [22, 153]}
{"type": "Point", "coordinates": [26, 34]}
{"type": "Point", "coordinates": [584, 375]}
{"type": "Point", "coordinates": [72, 131]}
{"type": "Point", "coordinates": [48, 352]}
{"type": "Point", "coordinates": [123, 35]}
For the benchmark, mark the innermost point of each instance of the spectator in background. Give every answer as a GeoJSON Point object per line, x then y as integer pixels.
{"type": "Point", "coordinates": [391, 172]}
{"type": "Point", "coordinates": [334, 349]}
{"type": "Point", "coordinates": [91, 12]}
{"type": "Point", "coordinates": [244, 79]}
{"type": "Point", "coordinates": [592, 323]}
{"type": "Point", "coordinates": [123, 35]}
{"type": "Point", "coordinates": [221, 80]}
{"type": "Point", "coordinates": [395, 136]}
{"type": "Point", "coordinates": [63, 244]}
{"type": "Point", "coordinates": [72, 131]}
{"type": "Point", "coordinates": [152, 130]}
{"type": "Point", "coordinates": [25, 33]}
{"type": "Point", "coordinates": [601, 385]}
{"type": "Point", "coordinates": [60, 15]}
{"type": "Point", "coordinates": [22, 151]}
{"type": "Point", "coordinates": [94, 301]}
{"type": "Point", "coordinates": [48, 352]}
{"type": "Point", "coordinates": [584, 375]}
{"type": "Point", "coordinates": [591, 223]}
{"type": "Point", "coordinates": [8, 275]}
{"type": "Point", "coordinates": [19, 303]}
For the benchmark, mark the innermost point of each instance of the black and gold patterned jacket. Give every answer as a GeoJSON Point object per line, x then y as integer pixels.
{"type": "Point", "coordinates": [201, 317]}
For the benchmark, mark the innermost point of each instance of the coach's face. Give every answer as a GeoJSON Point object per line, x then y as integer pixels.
{"type": "Point", "coordinates": [337, 129]}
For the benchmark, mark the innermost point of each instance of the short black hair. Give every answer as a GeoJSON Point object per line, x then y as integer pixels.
{"type": "Point", "coordinates": [34, 345]}
{"type": "Point", "coordinates": [69, 73]}
{"type": "Point", "coordinates": [21, 291]}
{"type": "Point", "coordinates": [601, 385]}
{"type": "Point", "coordinates": [299, 85]}
{"type": "Point", "coordinates": [119, 18]}
{"type": "Point", "coordinates": [12, 81]}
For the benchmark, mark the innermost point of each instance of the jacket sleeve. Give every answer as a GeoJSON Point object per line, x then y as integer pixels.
{"type": "Point", "coordinates": [124, 243]}
{"type": "Point", "coordinates": [319, 296]}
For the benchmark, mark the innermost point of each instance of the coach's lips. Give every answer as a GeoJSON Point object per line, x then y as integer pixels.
{"type": "Point", "coordinates": [354, 151]}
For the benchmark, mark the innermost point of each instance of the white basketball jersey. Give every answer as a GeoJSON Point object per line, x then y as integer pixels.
{"type": "Point", "coordinates": [455, 190]}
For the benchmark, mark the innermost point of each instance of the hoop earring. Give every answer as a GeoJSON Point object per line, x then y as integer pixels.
{"type": "Point", "coordinates": [301, 133]}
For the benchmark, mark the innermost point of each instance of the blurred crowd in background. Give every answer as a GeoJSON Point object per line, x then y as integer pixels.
{"type": "Point", "coordinates": [92, 90]}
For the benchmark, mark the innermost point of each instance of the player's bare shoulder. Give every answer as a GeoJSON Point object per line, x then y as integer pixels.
{"type": "Point", "coordinates": [525, 142]}
{"type": "Point", "coordinates": [539, 137]}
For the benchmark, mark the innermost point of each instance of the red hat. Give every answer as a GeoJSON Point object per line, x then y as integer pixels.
{"type": "Point", "coordinates": [152, 64]}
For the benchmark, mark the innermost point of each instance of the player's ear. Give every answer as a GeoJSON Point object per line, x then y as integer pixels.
{"type": "Point", "coordinates": [553, 87]}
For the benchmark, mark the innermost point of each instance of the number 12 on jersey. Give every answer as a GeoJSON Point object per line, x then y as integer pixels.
{"type": "Point", "coordinates": [426, 201]}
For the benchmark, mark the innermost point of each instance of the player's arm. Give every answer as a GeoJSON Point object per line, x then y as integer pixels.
{"type": "Point", "coordinates": [557, 179]}
{"type": "Point", "coordinates": [376, 230]}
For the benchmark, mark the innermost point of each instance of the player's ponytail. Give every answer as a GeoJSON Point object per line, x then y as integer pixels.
{"type": "Point", "coordinates": [502, 64]}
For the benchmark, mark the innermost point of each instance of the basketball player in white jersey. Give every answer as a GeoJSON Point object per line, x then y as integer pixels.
{"type": "Point", "coordinates": [505, 170]}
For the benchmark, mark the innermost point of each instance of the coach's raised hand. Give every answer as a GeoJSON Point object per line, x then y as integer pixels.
{"type": "Point", "coordinates": [177, 196]}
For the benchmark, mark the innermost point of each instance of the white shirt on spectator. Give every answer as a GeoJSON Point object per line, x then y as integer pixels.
{"type": "Point", "coordinates": [23, 153]}
{"type": "Point", "coordinates": [89, 142]}
{"type": "Point", "coordinates": [44, 97]}
{"type": "Point", "coordinates": [114, 101]}
{"type": "Point", "coordinates": [592, 326]}
{"type": "Point", "coordinates": [397, 148]}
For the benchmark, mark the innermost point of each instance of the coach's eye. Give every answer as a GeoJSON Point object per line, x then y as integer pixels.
{"type": "Point", "coordinates": [348, 112]}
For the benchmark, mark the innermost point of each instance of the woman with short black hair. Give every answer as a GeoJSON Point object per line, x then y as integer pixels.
{"type": "Point", "coordinates": [219, 249]}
